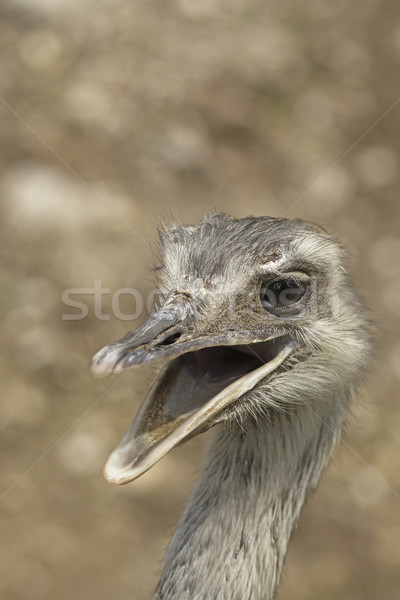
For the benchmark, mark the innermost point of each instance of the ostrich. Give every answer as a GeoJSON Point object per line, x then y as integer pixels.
{"type": "Point", "coordinates": [259, 333]}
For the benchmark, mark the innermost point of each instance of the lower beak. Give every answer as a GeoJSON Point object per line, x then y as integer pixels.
{"type": "Point", "coordinates": [165, 419]}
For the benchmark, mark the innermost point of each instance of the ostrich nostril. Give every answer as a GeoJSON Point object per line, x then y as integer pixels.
{"type": "Point", "coordinates": [171, 339]}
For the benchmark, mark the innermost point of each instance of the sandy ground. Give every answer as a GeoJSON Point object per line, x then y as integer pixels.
{"type": "Point", "coordinates": [116, 114]}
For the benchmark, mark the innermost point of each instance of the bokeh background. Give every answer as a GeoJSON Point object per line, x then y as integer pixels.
{"type": "Point", "coordinates": [118, 113]}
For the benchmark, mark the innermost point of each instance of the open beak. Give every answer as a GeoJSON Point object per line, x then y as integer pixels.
{"type": "Point", "coordinates": [201, 376]}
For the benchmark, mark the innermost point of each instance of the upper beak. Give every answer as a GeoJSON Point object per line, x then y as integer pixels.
{"type": "Point", "coordinates": [147, 343]}
{"type": "Point", "coordinates": [184, 398]}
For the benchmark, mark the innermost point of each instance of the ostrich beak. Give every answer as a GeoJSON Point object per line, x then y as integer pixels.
{"type": "Point", "coordinates": [202, 375]}
{"type": "Point", "coordinates": [147, 344]}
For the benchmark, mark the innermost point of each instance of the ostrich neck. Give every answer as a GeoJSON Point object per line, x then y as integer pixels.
{"type": "Point", "coordinates": [232, 538]}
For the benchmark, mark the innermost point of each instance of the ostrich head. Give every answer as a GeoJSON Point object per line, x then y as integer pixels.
{"type": "Point", "coordinates": [253, 316]}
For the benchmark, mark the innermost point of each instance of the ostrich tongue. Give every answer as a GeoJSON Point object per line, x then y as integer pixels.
{"type": "Point", "coordinates": [189, 391]}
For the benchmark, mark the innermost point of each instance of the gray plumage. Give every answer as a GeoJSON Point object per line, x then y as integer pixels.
{"type": "Point", "coordinates": [237, 295]}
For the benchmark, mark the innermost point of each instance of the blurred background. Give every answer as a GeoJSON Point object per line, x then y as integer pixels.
{"type": "Point", "coordinates": [116, 114]}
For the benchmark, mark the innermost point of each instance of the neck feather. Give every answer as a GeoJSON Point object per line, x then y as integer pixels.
{"type": "Point", "coordinates": [232, 537]}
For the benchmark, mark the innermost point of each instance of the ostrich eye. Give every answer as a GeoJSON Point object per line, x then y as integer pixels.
{"type": "Point", "coordinates": [281, 293]}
